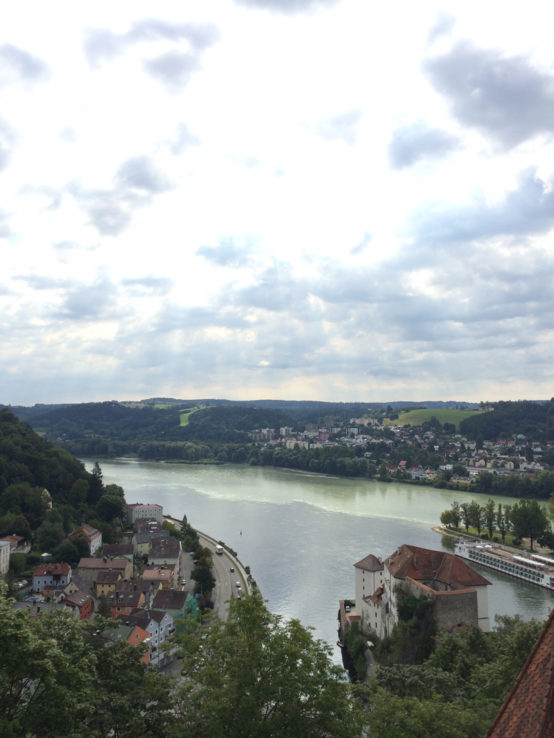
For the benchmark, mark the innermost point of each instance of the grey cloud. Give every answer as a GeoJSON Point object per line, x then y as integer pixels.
{"type": "Point", "coordinates": [287, 6]}
{"type": "Point", "coordinates": [65, 245]}
{"type": "Point", "coordinates": [5, 229]}
{"type": "Point", "coordinates": [102, 45]}
{"type": "Point", "coordinates": [140, 173]}
{"type": "Point", "coordinates": [184, 139]}
{"type": "Point", "coordinates": [444, 23]}
{"type": "Point", "coordinates": [362, 244]}
{"type": "Point", "coordinates": [505, 98]}
{"type": "Point", "coordinates": [275, 290]}
{"type": "Point", "coordinates": [39, 282]}
{"type": "Point", "coordinates": [199, 35]}
{"type": "Point", "coordinates": [411, 144]}
{"type": "Point", "coordinates": [527, 210]}
{"type": "Point", "coordinates": [108, 216]}
{"type": "Point", "coordinates": [111, 211]}
{"type": "Point", "coordinates": [227, 253]}
{"type": "Point", "coordinates": [87, 302]}
{"type": "Point", "coordinates": [340, 127]}
{"type": "Point", "coordinates": [173, 68]}
{"type": "Point", "coordinates": [17, 65]}
{"type": "Point", "coordinates": [7, 141]}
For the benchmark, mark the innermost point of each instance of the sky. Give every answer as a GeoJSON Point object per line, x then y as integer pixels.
{"type": "Point", "coordinates": [276, 199]}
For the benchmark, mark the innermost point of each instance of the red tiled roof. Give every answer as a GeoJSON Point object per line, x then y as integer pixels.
{"type": "Point", "coordinates": [528, 710]}
{"type": "Point", "coordinates": [425, 564]}
{"type": "Point", "coordinates": [57, 569]}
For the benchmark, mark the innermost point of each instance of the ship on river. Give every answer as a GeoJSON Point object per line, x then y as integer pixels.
{"type": "Point", "coordinates": [532, 568]}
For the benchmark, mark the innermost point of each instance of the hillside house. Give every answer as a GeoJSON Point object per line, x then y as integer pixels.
{"type": "Point", "coordinates": [51, 576]}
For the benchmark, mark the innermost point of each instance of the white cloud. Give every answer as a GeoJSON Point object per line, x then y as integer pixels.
{"type": "Point", "coordinates": [313, 199]}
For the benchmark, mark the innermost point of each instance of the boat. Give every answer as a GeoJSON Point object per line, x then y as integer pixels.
{"type": "Point", "coordinates": [531, 568]}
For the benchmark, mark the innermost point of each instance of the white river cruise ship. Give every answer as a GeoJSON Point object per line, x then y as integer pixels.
{"type": "Point", "coordinates": [532, 568]}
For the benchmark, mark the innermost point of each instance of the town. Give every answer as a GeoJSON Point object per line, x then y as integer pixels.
{"type": "Point", "coordinates": [145, 584]}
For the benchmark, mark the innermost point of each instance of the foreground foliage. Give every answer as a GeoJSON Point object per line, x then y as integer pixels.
{"type": "Point", "coordinates": [258, 675]}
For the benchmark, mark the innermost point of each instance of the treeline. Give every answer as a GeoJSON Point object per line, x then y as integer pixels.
{"type": "Point", "coordinates": [534, 420]}
{"type": "Point", "coordinates": [45, 493]}
{"type": "Point", "coordinates": [524, 519]}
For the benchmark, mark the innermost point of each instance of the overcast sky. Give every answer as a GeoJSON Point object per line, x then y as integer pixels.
{"type": "Point", "coordinates": [287, 199]}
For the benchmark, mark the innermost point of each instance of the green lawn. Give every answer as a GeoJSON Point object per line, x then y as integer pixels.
{"type": "Point", "coordinates": [185, 415]}
{"type": "Point", "coordinates": [418, 417]}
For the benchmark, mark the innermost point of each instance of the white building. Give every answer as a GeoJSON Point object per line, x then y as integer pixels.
{"type": "Point", "coordinates": [4, 558]}
{"type": "Point", "coordinates": [459, 593]}
{"type": "Point", "coordinates": [138, 511]}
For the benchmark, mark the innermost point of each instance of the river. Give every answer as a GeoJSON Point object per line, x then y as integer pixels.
{"type": "Point", "coordinates": [301, 533]}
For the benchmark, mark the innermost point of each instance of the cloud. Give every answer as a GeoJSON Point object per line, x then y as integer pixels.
{"type": "Point", "coordinates": [341, 127]}
{"type": "Point", "coordinates": [140, 173]}
{"type": "Point", "coordinates": [199, 35]}
{"type": "Point", "coordinates": [89, 302]}
{"type": "Point", "coordinates": [417, 142]}
{"type": "Point", "coordinates": [287, 6]}
{"type": "Point", "coordinates": [17, 65]}
{"type": "Point", "coordinates": [505, 98]}
{"type": "Point", "coordinates": [148, 285]}
{"type": "Point", "coordinates": [184, 139]}
{"type": "Point", "coordinates": [7, 140]}
{"type": "Point", "coordinates": [228, 253]}
{"type": "Point", "coordinates": [443, 25]}
{"type": "Point", "coordinates": [102, 45]}
{"type": "Point", "coordinates": [173, 68]}
{"type": "Point", "coordinates": [136, 182]}
{"type": "Point", "coordinates": [526, 210]}
{"type": "Point", "coordinates": [362, 244]}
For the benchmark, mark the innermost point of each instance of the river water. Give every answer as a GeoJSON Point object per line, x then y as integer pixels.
{"type": "Point", "coordinates": [301, 533]}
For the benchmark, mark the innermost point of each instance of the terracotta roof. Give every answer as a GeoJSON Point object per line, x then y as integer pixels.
{"type": "Point", "coordinates": [425, 564]}
{"type": "Point", "coordinates": [370, 563]}
{"type": "Point", "coordinates": [528, 710]}
{"type": "Point", "coordinates": [88, 563]}
{"type": "Point", "coordinates": [58, 569]}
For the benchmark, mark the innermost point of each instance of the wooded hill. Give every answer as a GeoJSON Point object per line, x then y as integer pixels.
{"type": "Point", "coordinates": [29, 465]}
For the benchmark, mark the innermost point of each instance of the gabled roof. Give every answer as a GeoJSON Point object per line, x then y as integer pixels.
{"type": "Point", "coordinates": [423, 564]}
{"type": "Point", "coordinates": [170, 599]}
{"type": "Point", "coordinates": [88, 563]}
{"type": "Point", "coordinates": [370, 563]}
{"type": "Point", "coordinates": [528, 710]}
{"type": "Point", "coordinates": [60, 569]}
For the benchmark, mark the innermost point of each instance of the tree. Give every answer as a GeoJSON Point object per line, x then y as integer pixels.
{"type": "Point", "coordinates": [529, 520]}
{"type": "Point", "coordinates": [259, 676]}
{"type": "Point", "coordinates": [476, 515]}
{"type": "Point", "coordinates": [464, 511]}
{"type": "Point", "coordinates": [456, 513]}
{"type": "Point", "coordinates": [63, 677]}
{"type": "Point", "coordinates": [489, 515]}
{"type": "Point", "coordinates": [503, 520]}
{"type": "Point", "coordinates": [447, 518]}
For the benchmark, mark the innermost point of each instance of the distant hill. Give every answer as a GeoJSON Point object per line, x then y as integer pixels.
{"type": "Point", "coordinates": [534, 420]}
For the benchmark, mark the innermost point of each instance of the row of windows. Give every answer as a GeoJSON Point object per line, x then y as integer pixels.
{"type": "Point", "coordinates": [506, 566]}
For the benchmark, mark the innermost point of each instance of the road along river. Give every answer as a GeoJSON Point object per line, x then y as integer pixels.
{"type": "Point", "coordinates": [301, 533]}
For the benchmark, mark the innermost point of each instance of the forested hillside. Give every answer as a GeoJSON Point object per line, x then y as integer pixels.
{"type": "Point", "coordinates": [45, 492]}
{"type": "Point", "coordinates": [534, 420]}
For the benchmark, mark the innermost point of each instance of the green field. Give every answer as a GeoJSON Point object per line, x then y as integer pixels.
{"type": "Point", "coordinates": [185, 415]}
{"type": "Point", "coordinates": [418, 417]}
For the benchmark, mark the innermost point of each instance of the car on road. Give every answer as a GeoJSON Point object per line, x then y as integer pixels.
{"type": "Point", "coordinates": [232, 570]}
{"type": "Point", "coordinates": [238, 585]}
{"type": "Point", "coordinates": [183, 582]}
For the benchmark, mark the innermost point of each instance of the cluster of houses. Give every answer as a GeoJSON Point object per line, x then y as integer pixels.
{"type": "Point", "coordinates": [139, 583]}
{"type": "Point", "coordinates": [507, 456]}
